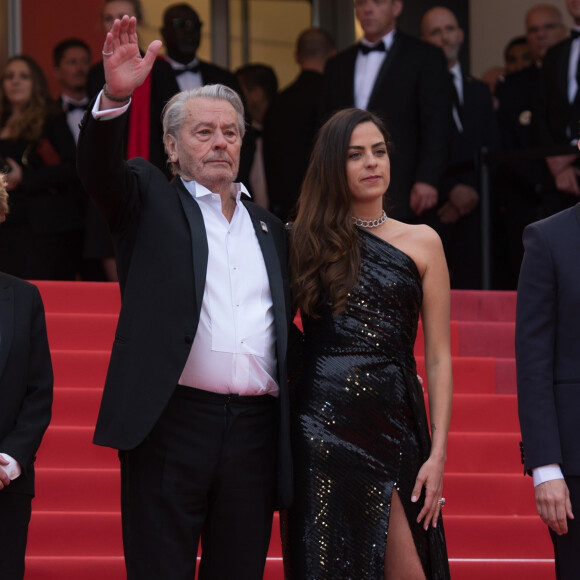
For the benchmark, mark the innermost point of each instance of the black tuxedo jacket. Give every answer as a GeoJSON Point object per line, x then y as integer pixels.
{"type": "Point", "coordinates": [25, 377]}
{"type": "Point", "coordinates": [548, 342]}
{"type": "Point", "coordinates": [479, 130]}
{"type": "Point", "coordinates": [412, 94]}
{"type": "Point", "coordinates": [515, 93]}
{"type": "Point", "coordinates": [289, 130]}
{"type": "Point", "coordinates": [555, 120]}
{"type": "Point", "coordinates": [161, 250]}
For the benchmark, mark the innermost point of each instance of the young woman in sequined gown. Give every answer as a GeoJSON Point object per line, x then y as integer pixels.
{"type": "Point", "coordinates": [368, 475]}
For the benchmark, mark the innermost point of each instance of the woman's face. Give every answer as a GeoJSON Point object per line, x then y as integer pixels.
{"type": "Point", "coordinates": [368, 170]}
{"type": "Point", "coordinates": [17, 83]}
{"type": "Point", "coordinates": [115, 11]}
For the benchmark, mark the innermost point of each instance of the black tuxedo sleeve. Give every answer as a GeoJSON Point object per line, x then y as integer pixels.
{"type": "Point", "coordinates": [536, 319]}
{"type": "Point", "coordinates": [104, 173]}
{"type": "Point", "coordinates": [30, 352]}
{"type": "Point", "coordinates": [434, 102]}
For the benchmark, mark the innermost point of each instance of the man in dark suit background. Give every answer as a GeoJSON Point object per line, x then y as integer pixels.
{"type": "Point", "coordinates": [519, 183]}
{"type": "Point", "coordinates": [25, 408]}
{"type": "Point", "coordinates": [548, 377]}
{"type": "Point", "coordinates": [295, 113]}
{"type": "Point", "coordinates": [196, 398]}
{"type": "Point", "coordinates": [405, 82]}
{"type": "Point", "coordinates": [457, 218]}
{"type": "Point", "coordinates": [556, 115]}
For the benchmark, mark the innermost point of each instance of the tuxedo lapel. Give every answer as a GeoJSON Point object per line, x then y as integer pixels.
{"type": "Point", "coordinates": [6, 323]}
{"type": "Point", "coordinates": [384, 70]}
{"type": "Point", "coordinates": [198, 239]}
{"type": "Point", "coordinates": [272, 261]}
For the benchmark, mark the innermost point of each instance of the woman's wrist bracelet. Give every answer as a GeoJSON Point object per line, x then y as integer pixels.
{"type": "Point", "coordinates": [113, 97]}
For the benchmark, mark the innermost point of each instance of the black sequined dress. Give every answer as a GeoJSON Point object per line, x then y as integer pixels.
{"type": "Point", "coordinates": [360, 429]}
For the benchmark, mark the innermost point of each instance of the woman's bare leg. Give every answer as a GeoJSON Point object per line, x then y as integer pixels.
{"type": "Point", "coordinates": [401, 559]}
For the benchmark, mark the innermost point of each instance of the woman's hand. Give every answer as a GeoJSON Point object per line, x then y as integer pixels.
{"type": "Point", "coordinates": [430, 477]}
{"type": "Point", "coordinates": [14, 177]}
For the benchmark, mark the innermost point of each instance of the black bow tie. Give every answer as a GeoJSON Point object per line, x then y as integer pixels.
{"type": "Point", "coordinates": [194, 68]}
{"type": "Point", "coordinates": [365, 48]}
{"type": "Point", "coordinates": [68, 107]}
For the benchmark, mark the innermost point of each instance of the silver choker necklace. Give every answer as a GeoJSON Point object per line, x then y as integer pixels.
{"type": "Point", "coordinates": [370, 223]}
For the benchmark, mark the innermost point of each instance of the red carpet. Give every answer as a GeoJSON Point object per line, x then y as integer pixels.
{"type": "Point", "coordinates": [490, 520]}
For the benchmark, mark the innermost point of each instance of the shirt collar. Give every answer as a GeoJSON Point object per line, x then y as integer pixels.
{"type": "Point", "coordinates": [197, 190]}
{"type": "Point", "coordinates": [455, 70]}
{"type": "Point", "coordinates": [388, 40]}
{"type": "Point", "coordinates": [179, 65]}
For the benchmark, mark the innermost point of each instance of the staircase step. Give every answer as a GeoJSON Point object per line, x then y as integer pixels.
{"type": "Point", "coordinates": [81, 331]}
{"type": "Point", "coordinates": [483, 453]}
{"type": "Point", "coordinates": [495, 306]}
{"type": "Point", "coordinates": [75, 406]}
{"type": "Point", "coordinates": [80, 297]}
{"type": "Point", "coordinates": [80, 368]}
{"type": "Point", "coordinates": [484, 413]}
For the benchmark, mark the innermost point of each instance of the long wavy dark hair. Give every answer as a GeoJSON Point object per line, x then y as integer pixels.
{"type": "Point", "coordinates": [30, 124]}
{"type": "Point", "coordinates": [324, 243]}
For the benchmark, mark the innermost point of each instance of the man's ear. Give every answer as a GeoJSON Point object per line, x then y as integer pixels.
{"type": "Point", "coordinates": [170, 148]}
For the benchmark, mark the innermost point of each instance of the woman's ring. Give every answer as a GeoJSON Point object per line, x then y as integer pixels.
{"type": "Point", "coordinates": [108, 53]}
{"type": "Point", "coordinates": [441, 501]}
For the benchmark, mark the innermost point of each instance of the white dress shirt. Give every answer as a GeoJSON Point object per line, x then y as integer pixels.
{"type": "Point", "coordinates": [366, 70]}
{"type": "Point", "coordinates": [73, 118]}
{"type": "Point", "coordinates": [234, 349]}
{"type": "Point", "coordinates": [455, 70]}
{"type": "Point", "coordinates": [187, 80]}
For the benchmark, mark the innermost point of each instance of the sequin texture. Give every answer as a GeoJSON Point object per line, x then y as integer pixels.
{"type": "Point", "coordinates": [360, 429]}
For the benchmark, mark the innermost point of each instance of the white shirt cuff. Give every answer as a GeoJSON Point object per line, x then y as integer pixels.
{"type": "Point", "coordinates": [107, 114]}
{"type": "Point", "coordinates": [546, 473]}
{"type": "Point", "coordinates": [13, 468]}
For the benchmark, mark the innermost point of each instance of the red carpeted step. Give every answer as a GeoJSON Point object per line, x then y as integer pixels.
{"type": "Point", "coordinates": [95, 533]}
{"type": "Point", "coordinates": [495, 306]}
{"type": "Point", "coordinates": [75, 489]}
{"type": "Point", "coordinates": [75, 534]}
{"type": "Point", "coordinates": [111, 568]}
{"type": "Point", "coordinates": [81, 331]}
{"type": "Point", "coordinates": [73, 447]}
{"type": "Point", "coordinates": [80, 368]}
{"type": "Point", "coordinates": [493, 537]}
{"type": "Point", "coordinates": [83, 297]}
{"type": "Point", "coordinates": [492, 494]}
{"type": "Point", "coordinates": [533, 569]}
{"type": "Point", "coordinates": [75, 406]}
{"type": "Point", "coordinates": [485, 413]}
{"type": "Point", "coordinates": [476, 338]}
{"type": "Point", "coordinates": [483, 453]}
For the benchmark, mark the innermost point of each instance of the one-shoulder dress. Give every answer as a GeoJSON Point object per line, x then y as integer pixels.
{"type": "Point", "coordinates": [360, 429]}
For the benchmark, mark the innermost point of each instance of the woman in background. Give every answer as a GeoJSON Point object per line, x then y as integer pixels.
{"type": "Point", "coordinates": [369, 479]}
{"type": "Point", "coordinates": [42, 236]}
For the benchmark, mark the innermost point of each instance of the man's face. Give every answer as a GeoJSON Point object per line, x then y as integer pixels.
{"type": "Point", "coordinates": [574, 9]}
{"type": "Point", "coordinates": [73, 69]}
{"type": "Point", "coordinates": [182, 33]}
{"type": "Point", "coordinates": [115, 11]}
{"type": "Point", "coordinates": [517, 57]}
{"type": "Point", "coordinates": [439, 27]}
{"type": "Point", "coordinates": [377, 17]}
{"type": "Point", "coordinates": [207, 146]}
{"type": "Point", "coordinates": [543, 29]}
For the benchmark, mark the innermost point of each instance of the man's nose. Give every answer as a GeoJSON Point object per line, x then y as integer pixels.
{"type": "Point", "coordinates": [219, 141]}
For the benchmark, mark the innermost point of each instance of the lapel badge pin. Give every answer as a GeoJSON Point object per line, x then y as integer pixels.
{"type": "Point", "coordinates": [264, 226]}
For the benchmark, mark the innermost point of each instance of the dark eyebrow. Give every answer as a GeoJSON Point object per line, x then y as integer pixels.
{"type": "Point", "coordinates": [379, 144]}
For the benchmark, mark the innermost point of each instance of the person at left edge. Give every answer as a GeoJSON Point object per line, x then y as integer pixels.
{"type": "Point", "coordinates": [195, 398]}
{"type": "Point", "coordinates": [25, 408]}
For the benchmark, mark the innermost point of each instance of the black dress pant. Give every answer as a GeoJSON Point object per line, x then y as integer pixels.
{"type": "Point", "coordinates": [208, 469]}
{"type": "Point", "coordinates": [567, 546]}
{"type": "Point", "coordinates": [15, 510]}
